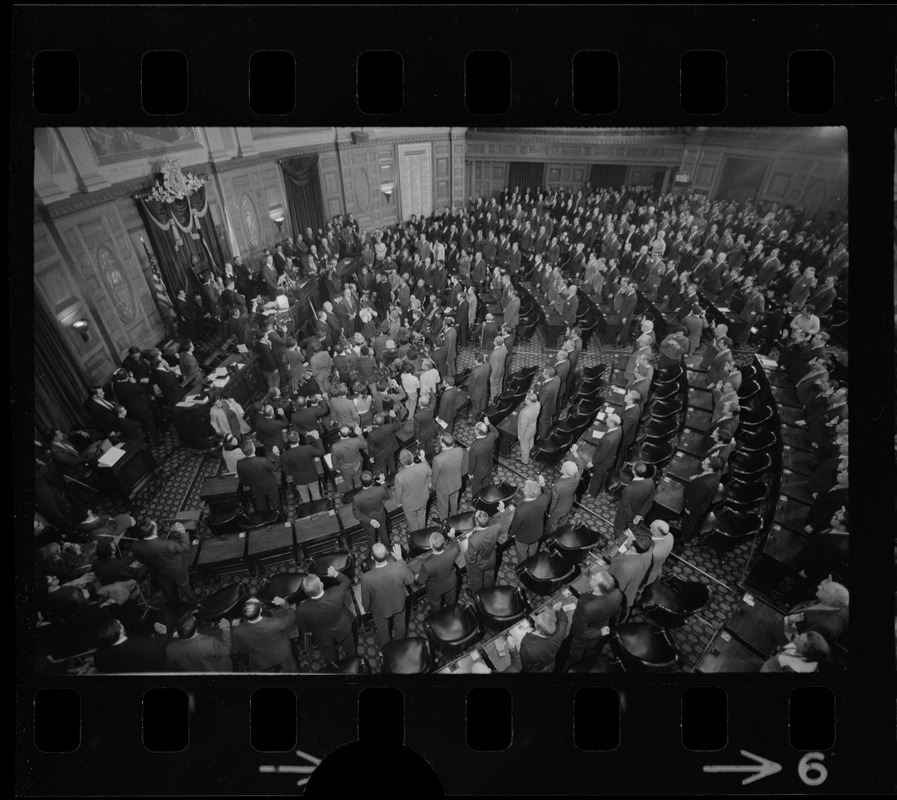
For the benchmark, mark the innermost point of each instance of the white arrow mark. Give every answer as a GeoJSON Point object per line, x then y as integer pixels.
{"type": "Point", "coordinates": [761, 769]}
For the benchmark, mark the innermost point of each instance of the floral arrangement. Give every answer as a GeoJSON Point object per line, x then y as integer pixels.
{"type": "Point", "coordinates": [175, 184]}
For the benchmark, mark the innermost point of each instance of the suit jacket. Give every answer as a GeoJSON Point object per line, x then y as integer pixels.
{"type": "Point", "coordinates": [426, 429]}
{"type": "Point", "coordinates": [382, 442]}
{"type": "Point", "coordinates": [631, 569]}
{"type": "Point", "coordinates": [699, 492]}
{"type": "Point", "coordinates": [136, 654]}
{"type": "Point", "coordinates": [538, 653]}
{"type": "Point", "coordinates": [344, 412]}
{"type": "Point", "coordinates": [267, 640]}
{"type": "Point", "coordinates": [306, 419]}
{"type": "Point", "coordinates": [450, 404]}
{"type": "Point", "coordinates": [606, 450]}
{"type": "Point", "coordinates": [548, 397]}
{"type": "Point", "coordinates": [478, 383]}
{"type": "Point", "coordinates": [259, 475]}
{"type": "Point", "coordinates": [201, 653]}
{"type": "Point", "coordinates": [636, 500]}
{"type": "Point", "coordinates": [299, 462]}
{"type": "Point", "coordinates": [346, 454]}
{"type": "Point", "coordinates": [437, 573]}
{"type": "Point", "coordinates": [164, 558]}
{"type": "Point", "coordinates": [512, 312]}
{"type": "Point", "coordinates": [383, 588]}
{"type": "Point", "coordinates": [627, 307]}
{"type": "Point", "coordinates": [497, 363]}
{"type": "Point", "coordinates": [528, 522]}
{"type": "Point", "coordinates": [411, 488]}
{"type": "Point", "coordinates": [330, 616]}
{"type": "Point", "coordinates": [133, 396]}
{"type": "Point", "coordinates": [563, 492]}
{"type": "Point", "coordinates": [527, 420]}
{"type": "Point", "coordinates": [479, 463]}
{"type": "Point", "coordinates": [593, 612]}
{"type": "Point", "coordinates": [831, 623]}
{"type": "Point", "coordinates": [481, 545]}
{"type": "Point", "coordinates": [448, 469]}
{"type": "Point", "coordinates": [368, 505]}
{"type": "Point", "coordinates": [270, 432]}
{"type": "Point", "coordinates": [169, 385]}
{"type": "Point", "coordinates": [629, 419]}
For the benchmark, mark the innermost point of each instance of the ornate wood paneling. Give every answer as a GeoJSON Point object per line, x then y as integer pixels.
{"type": "Point", "coordinates": [246, 192]}
{"type": "Point", "coordinates": [486, 178]}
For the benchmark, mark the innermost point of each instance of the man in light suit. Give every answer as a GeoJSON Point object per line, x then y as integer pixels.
{"type": "Point", "coordinates": [448, 472]}
{"type": "Point", "coordinates": [605, 454]}
{"type": "Point", "coordinates": [497, 364]}
{"type": "Point", "coordinates": [328, 615]}
{"type": "Point", "coordinates": [412, 489]}
{"type": "Point", "coordinates": [383, 592]}
{"type": "Point", "coordinates": [632, 567]}
{"type": "Point", "coordinates": [527, 422]}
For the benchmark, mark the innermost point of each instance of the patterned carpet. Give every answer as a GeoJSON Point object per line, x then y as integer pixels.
{"type": "Point", "coordinates": [176, 487]}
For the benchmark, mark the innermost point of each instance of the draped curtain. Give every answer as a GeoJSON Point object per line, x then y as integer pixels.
{"type": "Point", "coordinates": [60, 383]}
{"type": "Point", "coordinates": [303, 185]}
{"type": "Point", "coordinates": [171, 228]}
{"type": "Point", "coordinates": [607, 176]}
{"type": "Point", "coordinates": [526, 175]}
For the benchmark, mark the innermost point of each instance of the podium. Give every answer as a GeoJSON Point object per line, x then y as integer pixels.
{"type": "Point", "coordinates": [133, 470]}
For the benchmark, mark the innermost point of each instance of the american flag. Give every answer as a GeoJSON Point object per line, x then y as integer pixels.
{"type": "Point", "coordinates": [163, 300]}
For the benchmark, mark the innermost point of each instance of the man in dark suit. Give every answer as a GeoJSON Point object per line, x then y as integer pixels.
{"type": "Point", "coordinates": [269, 428]}
{"type": "Point", "coordinates": [260, 475]}
{"type": "Point", "coordinates": [637, 498]}
{"type": "Point", "coordinates": [328, 615]}
{"type": "Point", "coordinates": [438, 574]}
{"type": "Point", "coordinates": [266, 639]}
{"type": "Point", "coordinates": [425, 428]}
{"type": "Point", "coordinates": [383, 444]}
{"type": "Point", "coordinates": [346, 454]}
{"type": "Point", "coordinates": [480, 458]}
{"type": "Point", "coordinates": [167, 381]}
{"type": "Point", "coordinates": [117, 653]}
{"type": "Point", "coordinates": [481, 544]}
{"type": "Point", "coordinates": [165, 559]}
{"type": "Point", "coordinates": [298, 462]}
{"type": "Point", "coordinates": [451, 402]}
{"type": "Point", "coordinates": [134, 398]}
{"type": "Point", "coordinates": [539, 647]}
{"type": "Point", "coordinates": [368, 508]}
{"type": "Point", "coordinates": [549, 392]}
{"type": "Point", "coordinates": [629, 419]}
{"type": "Point", "coordinates": [478, 385]}
{"type": "Point", "coordinates": [193, 651]}
{"type": "Point", "coordinates": [698, 495]}
{"type": "Point", "coordinates": [528, 523]}
{"type": "Point", "coordinates": [605, 455]}
{"type": "Point", "coordinates": [594, 613]}
{"type": "Point", "coordinates": [627, 309]}
{"type": "Point", "coordinates": [383, 592]}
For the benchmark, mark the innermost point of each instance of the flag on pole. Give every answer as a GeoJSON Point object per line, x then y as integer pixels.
{"type": "Point", "coordinates": [160, 293]}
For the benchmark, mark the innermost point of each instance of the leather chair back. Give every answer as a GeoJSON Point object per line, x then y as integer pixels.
{"type": "Point", "coordinates": [223, 603]}
{"type": "Point", "coordinates": [258, 519]}
{"type": "Point", "coordinates": [348, 666]}
{"type": "Point", "coordinates": [572, 542]}
{"type": "Point", "coordinates": [500, 607]}
{"type": "Point", "coordinates": [287, 585]}
{"type": "Point", "coordinates": [462, 523]}
{"type": "Point", "coordinates": [452, 628]}
{"type": "Point", "coordinates": [409, 656]}
{"type": "Point", "coordinates": [341, 561]}
{"type": "Point", "coordinates": [643, 646]}
{"type": "Point", "coordinates": [488, 498]}
{"type": "Point", "coordinates": [544, 573]}
{"type": "Point", "coordinates": [419, 541]}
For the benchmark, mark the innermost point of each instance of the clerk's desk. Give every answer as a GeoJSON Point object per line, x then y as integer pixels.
{"type": "Point", "coordinates": [131, 472]}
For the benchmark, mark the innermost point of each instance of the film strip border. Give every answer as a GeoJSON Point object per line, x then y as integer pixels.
{"type": "Point", "coordinates": [542, 49]}
{"type": "Point", "coordinates": [235, 737]}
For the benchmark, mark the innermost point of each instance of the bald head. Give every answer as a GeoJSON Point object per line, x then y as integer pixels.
{"type": "Point", "coordinates": [379, 552]}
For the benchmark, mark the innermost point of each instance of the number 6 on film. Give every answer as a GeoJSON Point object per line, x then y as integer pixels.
{"type": "Point", "coordinates": [811, 769]}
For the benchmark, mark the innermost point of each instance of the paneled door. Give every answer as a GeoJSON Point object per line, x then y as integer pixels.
{"type": "Point", "coordinates": [416, 179]}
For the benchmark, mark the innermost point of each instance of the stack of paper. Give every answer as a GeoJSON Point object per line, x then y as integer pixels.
{"type": "Point", "coordinates": [111, 456]}
{"type": "Point", "coordinates": [219, 383]}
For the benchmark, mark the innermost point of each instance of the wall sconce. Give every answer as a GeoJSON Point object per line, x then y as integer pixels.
{"type": "Point", "coordinates": [82, 326]}
{"type": "Point", "coordinates": [277, 214]}
{"type": "Point", "coordinates": [388, 190]}
{"type": "Point", "coordinates": [278, 221]}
